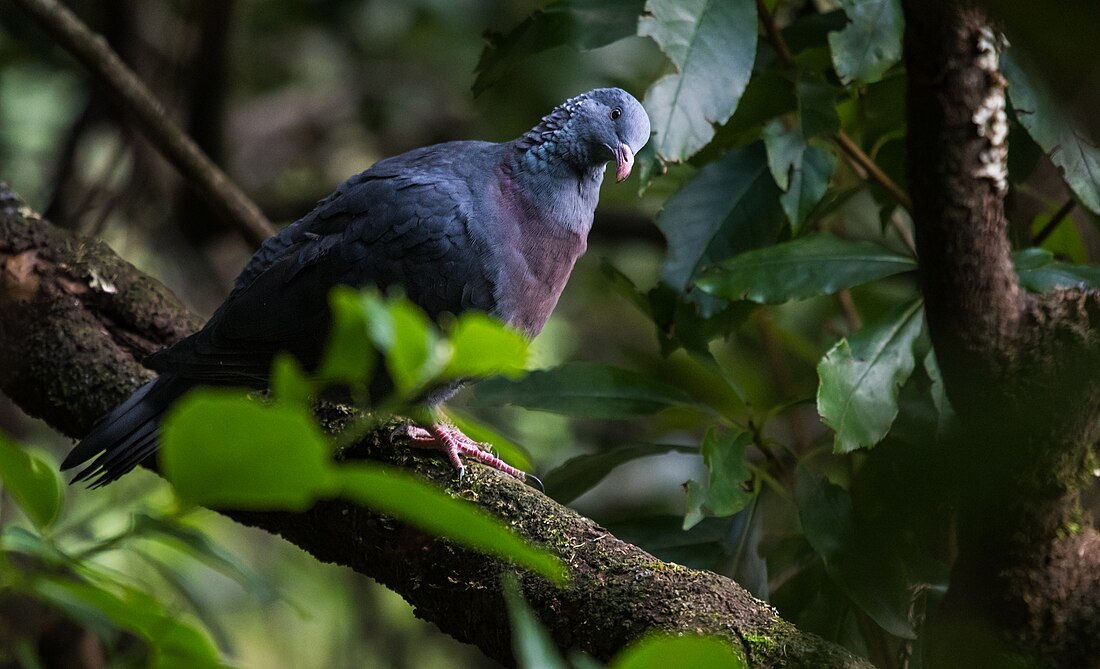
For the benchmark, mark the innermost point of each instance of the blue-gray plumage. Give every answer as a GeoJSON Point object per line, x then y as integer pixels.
{"type": "Point", "coordinates": [458, 226]}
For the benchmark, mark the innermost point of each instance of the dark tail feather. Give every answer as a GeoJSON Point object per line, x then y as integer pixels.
{"type": "Point", "coordinates": [126, 436]}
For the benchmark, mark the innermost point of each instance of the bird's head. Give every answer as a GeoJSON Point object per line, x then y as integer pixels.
{"type": "Point", "coordinates": [612, 125]}
{"type": "Point", "coordinates": [589, 130]}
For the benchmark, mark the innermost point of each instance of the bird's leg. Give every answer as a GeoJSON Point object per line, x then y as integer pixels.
{"type": "Point", "coordinates": [454, 443]}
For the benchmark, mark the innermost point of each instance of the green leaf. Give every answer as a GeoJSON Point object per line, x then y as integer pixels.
{"type": "Point", "coordinates": [289, 383]}
{"type": "Point", "coordinates": [198, 545]}
{"type": "Point", "coordinates": [220, 448]}
{"type": "Point", "coordinates": [809, 182]}
{"type": "Point", "coordinates": [1045, 120]}
{"type": "Point", "coordinates": [785, 147]}
{"type": "Point", "coordinates": [860, 378]}
{"type": "Point", "coordinates": [403, 496]}
{"type": "Point", "coordinates": [817, 115]}
{"type": "Point", "coordinates": [1039, 272]}
{"type": "Point", "coordinates": [682, 652]}
{"type": "Point", "coordinates": [348, 356]}
{"type": "Point", "coordinates": [724, 493]}
{"type": "Point", "coordinates": [581, 24]}
{"type": "Point", "coordinates": [579, 474]}
{"type": "Point", "coordinates": [415, 353]}
{"type": "Point", "coordinates": [713, 46]}
{"type": "Point", "coordinates": [871, 575]}
{"type": "Point", "coordinates": [531, 643]}
{"type": "Point", "coordinates": [871, 43]}
{"type": "Point", "coordinates": [174, 642]}
{"type": "Point", "coordinates": [584, 390]}
{"type": "Point", "coordinates": [802, 268]}
{"type": "Point", "coordinates": [32, 482]}
{"type": "Point", "coordinates": [729, 207]}
{"type": "Point", "coordinates": [484, 346]}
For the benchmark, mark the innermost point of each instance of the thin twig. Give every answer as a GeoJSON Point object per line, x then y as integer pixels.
{"type": "Point", "coordinates": [848, 308]}
{"type": "Point", "coordinates": [846, 143]}
{"type": "Point", "coordinates": [151, 117]}
{"type": "Point", "coordinates": [1054, 222]}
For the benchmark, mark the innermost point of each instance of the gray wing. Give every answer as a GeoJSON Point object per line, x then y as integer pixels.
{"type": "Point", "coordinates": [396, 224]}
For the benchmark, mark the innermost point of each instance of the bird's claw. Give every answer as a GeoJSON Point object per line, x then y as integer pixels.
{"type": "Point", "coordinates": [454, 443]}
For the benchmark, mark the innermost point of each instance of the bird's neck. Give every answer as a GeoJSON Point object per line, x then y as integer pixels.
{"type": "Point", "coordinates": [553, 167]}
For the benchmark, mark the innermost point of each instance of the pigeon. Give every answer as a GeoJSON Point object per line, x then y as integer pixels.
{"type": "Point", "coordinates": [459, 226]}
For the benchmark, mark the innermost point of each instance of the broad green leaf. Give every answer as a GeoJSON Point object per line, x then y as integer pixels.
{"type": "Point", "coordinates": [584, 390]}
{"type": "Point", "coordinates": [809, 182]}
{"type": "Point", "coordinates": [729, 207]}
{"type": "Point", "coordinates": [860, 378]}
{"type": "Point", "coordinates": [724, 493]}
{"type": "Point", "coordinates": [531, 643]}
{"type": "Point", "coordinates": [32, 482]}
{"type": "Point", "coordinates": [349, 357]}
{"type": "Point", "coordinates": [871, 43]}
{"type": "Point", "coordinates": [871, 575]}
{"type": "Point", "coordinates": [579, 474]}
{"type": "Point", "coordinates": [785, 146]}
{"type": "Point", "coordinates": [682, 652]}
{"type": "Point", "coordinates": [484, 346]}
{"type": "Point", "coordinates": [803, 268]}
{"type": "Point", "coordinates": [713, 46]}
{"type": "Point", "coordinates": [220, 448]}
{"type": "Point", "coordinates": [401, 495]}
{"type": "Point", "coordinates": [174, 642]}
{"type": "Point", "coordinates": [817, 115]}
{"type": "Point", "coordinates": [1045, 120]}
{"type": "Point", "coordinates": [1039, 272]}
{"type": "Point", "coordinates": [581, 24]}
{"type": "Point", "coordinates": [415, 355]}
{"type": "Point", "coordinates": [289, 383]}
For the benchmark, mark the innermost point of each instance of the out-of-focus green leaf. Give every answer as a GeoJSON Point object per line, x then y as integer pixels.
{"type": "Point", "coordinates": [724, 493]}
{"type": "Point", "coordinates": [860, 378]}
{"type": "Point", "coordinates": [817, 115]}
{"type": "Point", "coordinates": [682, 652]}
{"type": "Point", "coordinates": [802, 268]}
{"type": "Point", "coordinates": [484, 346]}
{"type": "Point", "coordinates": [1039, 272]}
{"type": "Point", "coordinates": [32, 482]}
{"type": "Point", "coordinates": [173, 642]}
{"type": "Point", "coordinates": [579, 474]}
{"type": "Point", "coordinates": [289, 383]}
{"type": "Point", "coordinates": [729, 207]}
{"type": "Point", "coordinates": [416, 354]}
{"type": "Point", "coordinates": [201, 547]}
{"type": "Point", "coordinates": [348, 358]}
{"type": "Point", "coordinates": [1046, 122]}
{"type": "Point", "coordinates": [531, 643]}
{"type": "Point", "coordinates": [581, 24]}
{"type": "Point", "coordinates": [713, 46]}
{"type": "Point", "coordinates": [871, 43]}
{"type": "Point", "coordinates": [584, 390]}
{"type": "Point", "coordinates": [873, 578]}
{"type": "Point", "coordinates": [220, 448]}
{"type": "Point", "coordinates": [405, 497]}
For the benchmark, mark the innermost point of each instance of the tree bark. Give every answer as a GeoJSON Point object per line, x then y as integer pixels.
{"type": "Point", "coordinates": [1018, 368]}
{"type": "Point", "coordinates": [74, 322]}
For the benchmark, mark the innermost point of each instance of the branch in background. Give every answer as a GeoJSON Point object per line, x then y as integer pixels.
{"type": "Point", "coordinates": [74, 320]}
{"type": "Point", "coordinates": [869, 169]}
{"type": "Point", "coordinates": [1054, 222]}
{"type": "Point", "coordinates": [151, 117]}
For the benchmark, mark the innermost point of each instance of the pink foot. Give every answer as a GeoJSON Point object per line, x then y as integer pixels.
{"type": "Point", "coordinates": [453, 442]}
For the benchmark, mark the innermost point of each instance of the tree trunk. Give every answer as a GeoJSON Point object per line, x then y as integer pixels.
{"type": "Point", "coordinates": [1018, 368]}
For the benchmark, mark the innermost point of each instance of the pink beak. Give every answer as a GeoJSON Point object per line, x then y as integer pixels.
{"type": "Point", "coordinates": [624, 161]}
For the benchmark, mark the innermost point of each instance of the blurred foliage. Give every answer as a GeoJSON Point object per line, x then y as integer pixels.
{"type": "Point", "coordinates": [758, 397]}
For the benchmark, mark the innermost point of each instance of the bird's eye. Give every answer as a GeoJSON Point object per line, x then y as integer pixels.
{"type": "Point", "coordinates": [616, 113]}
